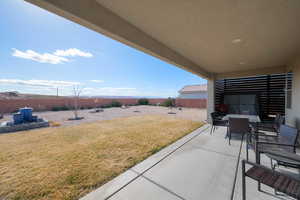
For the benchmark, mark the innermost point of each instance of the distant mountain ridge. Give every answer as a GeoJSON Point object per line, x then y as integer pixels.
{"type": "Point", "coordinates": [18, 95]}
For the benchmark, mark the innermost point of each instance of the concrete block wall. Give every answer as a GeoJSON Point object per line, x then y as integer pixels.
{"type": "Point", "coordinates": [44, 104]}
{"type": "Point", "coordinates": [191, 103]}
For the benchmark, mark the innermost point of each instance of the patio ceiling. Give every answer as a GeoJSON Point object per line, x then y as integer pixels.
{"type": "Point", "coordinates": [210, 38]}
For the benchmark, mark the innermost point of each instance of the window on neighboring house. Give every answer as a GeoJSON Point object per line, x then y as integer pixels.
{"type": "Point", "coordinates": [289, 82]}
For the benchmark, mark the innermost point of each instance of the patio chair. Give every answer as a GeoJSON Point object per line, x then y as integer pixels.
{"type": "Point", "coordinates": [286, 140]}
{"type": "Point", "coordinates": [273, 126]}
{"type": "Point", "coordinates": [286, 183]}
{"type": "Point", "coordinates": [216, 121]}
{"type": "Point", "coordinates": [239, 126]}
{"type": "Point", "coordinates": [282, 162]}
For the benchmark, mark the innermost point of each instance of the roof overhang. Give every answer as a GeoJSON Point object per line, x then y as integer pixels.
{"type": "Point", "coordinates": [209, 38]}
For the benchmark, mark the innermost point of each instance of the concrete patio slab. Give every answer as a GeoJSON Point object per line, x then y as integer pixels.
{"type": "Point", "coordinates": [196, 174]}
{"type": "Point", "coordinates": [143, 189]}
{"type": "Point", "coordinates": [217, 143]}
{"type": "Point", "coordinates": [152, 160]}
{"type": "Point", "coordinates": [112, 186]}
{"type": "Point", "coordinates": [201, 169]}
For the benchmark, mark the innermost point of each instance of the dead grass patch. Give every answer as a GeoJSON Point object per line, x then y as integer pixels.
{"type": "Point", "coordinates": [68, 162]}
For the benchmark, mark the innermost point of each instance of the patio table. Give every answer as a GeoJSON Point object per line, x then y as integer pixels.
{"type": "Point", "coordinates": [252, 118]}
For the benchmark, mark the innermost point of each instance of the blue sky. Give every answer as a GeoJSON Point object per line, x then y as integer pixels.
{"type": "Point", "coordinates": [41, 51]}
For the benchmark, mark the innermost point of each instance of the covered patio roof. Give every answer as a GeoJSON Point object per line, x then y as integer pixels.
{"type": "Point", "coordinates": [214, 39]}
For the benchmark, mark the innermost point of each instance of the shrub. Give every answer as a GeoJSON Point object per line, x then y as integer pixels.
{"type": "Point", "coordinates": [116, 104]}
{"type": "Point", "coordinates": [60, 108]}
{"type": "Point", "coordinates": [169, 102]}
{"type": "Point", "coordinates": [105, 106]}
{"type": "Point", "coordinates": [55, 108]}
{"type": "Point", "coordinates": [15, 111]}
{"type": "Point", "coordinates": [112, 104]}
{"type": "Point", "coordinates": [132, 104]}
{"type": "Point", "coordinates": [143, 101]}
{"type": "Point", "coordinates": [86, 107]}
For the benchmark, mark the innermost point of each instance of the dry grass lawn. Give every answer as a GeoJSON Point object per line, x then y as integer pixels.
{"type": "Point", "coordinates": [68, 162]}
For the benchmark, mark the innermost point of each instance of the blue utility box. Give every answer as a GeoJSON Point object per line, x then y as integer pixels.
{"type": "Point", "coordinates": [27, 114]}
{"type": "Point", "coordinates": [18, 118]}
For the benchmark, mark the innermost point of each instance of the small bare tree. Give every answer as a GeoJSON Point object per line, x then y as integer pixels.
{"type": "Point", "coordinates": [76, 92]}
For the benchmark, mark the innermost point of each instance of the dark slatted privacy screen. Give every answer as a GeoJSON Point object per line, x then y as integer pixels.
{"type": "Point", "coordinates": [270, 90]}
{"type": "Point", "coordinates": [289, 79]}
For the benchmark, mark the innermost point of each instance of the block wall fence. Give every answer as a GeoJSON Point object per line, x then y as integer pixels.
{"type": "Point", "coordinates": [44, 104]}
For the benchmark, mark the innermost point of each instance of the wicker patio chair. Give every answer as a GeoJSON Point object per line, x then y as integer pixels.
{"type": "Point", "coordinates": [216, 121]}
{"type": "Point", "coordinates": [237, 126]}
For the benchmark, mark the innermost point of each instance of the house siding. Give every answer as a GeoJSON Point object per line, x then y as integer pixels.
{"type": "Point", "coordinates": [194, 95]}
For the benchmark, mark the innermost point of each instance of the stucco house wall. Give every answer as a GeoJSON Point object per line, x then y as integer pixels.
{"type": "Point", "coordinates": [293, 113]}
{"type": "Point", "coordinates": [193, 92]}
{"type": "Point", "coordinates": [198, 95]}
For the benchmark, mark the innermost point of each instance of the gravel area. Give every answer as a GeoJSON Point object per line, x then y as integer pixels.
{"type": "Point", "coordinates": [111, 113]}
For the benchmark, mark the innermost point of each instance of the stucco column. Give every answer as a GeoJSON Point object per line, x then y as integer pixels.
{"type": "Point", "coordinates": [293, 114]}
{"type": "Point", "coordinates": [210, 98]}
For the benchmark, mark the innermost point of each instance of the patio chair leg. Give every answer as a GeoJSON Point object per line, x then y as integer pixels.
{"type": "Point", "coordinates": [272, 164]}
{"type": "Point", "coordinates": [247, 152]}
{"type": "Point", "coordinates": [243, 181]}
{"type": "Point", "coordinates": [257, 156]}
{"type": "Point", "coordinates": [258, 162]}
{"type": "Point", "coordinates": [259, 186]}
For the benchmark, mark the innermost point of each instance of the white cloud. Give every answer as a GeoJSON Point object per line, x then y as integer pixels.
{"type": "Point", "coordinates": [57, 57]}
{"type": "Point", "coordinates": [72, 53]}
{"type": "Point", "coordinates": [42, 58]}
{"type": "Point", "coordinates": [39, 83]}
{"type": "Point", "coordinates": [97, 81]}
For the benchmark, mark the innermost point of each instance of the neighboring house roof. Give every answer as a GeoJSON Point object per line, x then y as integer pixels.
{"type": "Point", "coordinates": [194, 88]}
